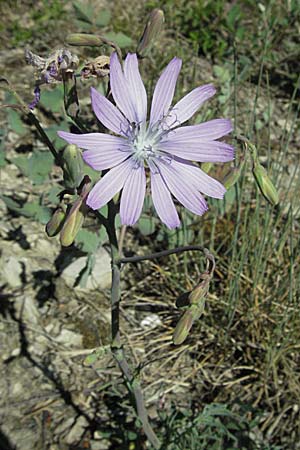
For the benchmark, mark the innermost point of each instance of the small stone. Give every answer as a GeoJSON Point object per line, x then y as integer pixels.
{"type": "Point", "coordinates": [68, 337]}
{"type": "Point", "coordinates": [77, 431]}
{"type": "Point", "coordinates": [151, 321]}
{"type": "Point", "coordinates": [12, 271]}
{"type": "Point", "coordinates": [100, 277]}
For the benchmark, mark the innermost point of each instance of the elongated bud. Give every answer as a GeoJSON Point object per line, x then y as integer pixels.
{"type": "Point", "coordinates": [151, 31]}
{"type": "Point", "coordinates": [265, 184]}
{"type": "Point", "coordinates": [185, 324]}
{"type": "Point", "coordinates": [206, 167]}
{"type": "Point", "coordinates": [197, 296]}
{"type": "Point", "coordinates": [232, 177]}
{"type": "Point", "coordinates": [55, 224]}
{"type": "Point", "coordinates": [72, 166]}
{"type": "Point", "coordinates": [71, 101]}
{"type": "Point", "coordinates": [73, 223]}
{"type": "Point", "coordinates": [83, 39]}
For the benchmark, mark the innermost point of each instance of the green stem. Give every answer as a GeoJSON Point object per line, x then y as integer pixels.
{"type": "Point", "coordinates": [116, 346]}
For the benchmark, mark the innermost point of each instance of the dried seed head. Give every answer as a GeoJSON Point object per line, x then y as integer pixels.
{"type": "Point", "coordinates": [98, 67]}
{"type": "Point", "coordinates": [51, 69]}
{"type": "Point", "coordinates": [151, 31]}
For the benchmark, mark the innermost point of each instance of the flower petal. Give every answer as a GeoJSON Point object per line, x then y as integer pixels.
{"type": "Point", "coordinates": [210, 151]}
{"type": "Point", "coordinates": [108, 114]}
{"type": "Point", "coordinates": [101, 160]}
{"type": "Point", "coordinates": [95, 141]}
{"type": "Point", "coordinates": [206, 131]}
{"type": "Point", "coordinates": [109, 185]}
{"type": "Point", "coordinates": [120, 89]}
{"type": "Point", "coordinates": [188, 105]}
{"type": "Point", "coordinates": [133, 195]}
{"type": "Point", "coordinates": [137, 89]}
{"type": "Point", "coordinates": [199, 179]}
{"type": "Point", "coordinates": [164, 91]}
{"type": "Point", "coordinates": [181, 188]}
{"type": "Point", "coordinates": [163, 202]}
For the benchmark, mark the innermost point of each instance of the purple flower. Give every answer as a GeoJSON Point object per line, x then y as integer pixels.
{"type": "Point", "coordinates": [160, 145]}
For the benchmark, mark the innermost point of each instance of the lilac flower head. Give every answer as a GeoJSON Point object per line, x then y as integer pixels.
{"type": "Point", "coordinates": [159, 145]}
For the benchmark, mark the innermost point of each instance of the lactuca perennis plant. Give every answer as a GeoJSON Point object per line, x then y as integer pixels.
{"type": "Point", "coordinates": [166, 150]}
{"type": "Point", "coordinates": [147, 146]}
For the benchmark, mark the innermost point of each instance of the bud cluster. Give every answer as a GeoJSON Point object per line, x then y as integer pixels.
{"type": "Point", "coordinates": [67, 220]}
{"type": "Point", "coordinates": [196, 303]}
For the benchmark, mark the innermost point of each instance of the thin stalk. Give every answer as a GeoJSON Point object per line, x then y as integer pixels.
{"type": "Point", "coordinates": [131, 379]}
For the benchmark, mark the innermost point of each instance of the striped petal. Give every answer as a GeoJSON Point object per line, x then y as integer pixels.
{"type": "Point", "coordinates": [95, 141]}
{"type": "Point", "coordinates": [102, 160]}
{"type": "Point", "coordinates": [199, 179]}
{"type": "Point", "coordinates": [181, 188]}
{"type": "Point", "coordinates": [120, 89]}
{"type": "Point", "coordinates": [137, 89]}
{"type": "Point", "coordinates": [210, 151]}
{"type": "Point", "coordinates": [133, 195]}
{"type": "Point", "coordinates": [108, 114]}
{"type": "Point", "coordinates": [163, 202]}
{"type": "Point", "coordinates": [164, 91]}
{"type": "Point", "coordinates": [206, 131]}
{"type": "Point", "coordinates": [109, 185]}
{"type": "Point", "coordinates": [188, 105]}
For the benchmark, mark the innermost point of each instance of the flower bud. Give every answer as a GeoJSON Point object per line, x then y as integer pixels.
{"type": "Point", "coordinates": [83, 39]}
{"type": "Point", "coordinates": [185, 324]}
{"type": "Point", "coordinates": [73, 223]}
{"type": "Point", "coordinates": [197, 296]}
{"type": "Point", "coordinates": [72, 166]}
{"type": "Point", "coordinates": [55, 224]}
{"type": "Point", "coordinates": [206, 166]}
{"type": "Point", "coordinates": [265, 184]}
{"type": "Point", "coordinates": [232, 177]}
{"type": "Point", "coordinates": [151, 31]}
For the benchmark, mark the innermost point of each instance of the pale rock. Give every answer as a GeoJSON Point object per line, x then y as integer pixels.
{"type": "Point", "coordinates": [77, 431]}
{"type": "Point", "coordinates": [68, 337]}
{"type": "Point", "coordinates": [100, 277]}
{"type": "Point", "coordinates": [11, 269]}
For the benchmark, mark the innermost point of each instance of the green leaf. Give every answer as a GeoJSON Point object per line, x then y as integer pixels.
{"type": "Point", "coordinates": [33, 210]}
{"type": "Point", "coordinates": [22, 163]}
{"type": "Point", "coordinates": [36, 167]}
{"type": "Point", "coordinates": [15, 123]}
{"type": "Point", "coordinates": [147, 225]}
{"type": "Point", "coordinates": [10, 203]}
{"type": "Point", "coordinates": [43, 214]}
{"type": "Point", "coordinates": [103, 18]}
{"type": "Point", "coordinates": [51, 132]}
{"type": "Point", "coordinates": [89, 241]}
{"type": "Point", "coordinates": [40, 164]}
{"type": "Point", "coordinates": [53, 195]}
{"type": "Point", "coordinates": [53, 99]}
{"type": "Point", "coordinates": [2, 158]}
{"type": "Point", "coordinates": [84, 11]}
{"type": "Point", "coordinates": [119, 38]}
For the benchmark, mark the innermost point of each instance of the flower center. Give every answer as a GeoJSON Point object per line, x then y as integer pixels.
{"type": "Point", "coordinates": [144, 143]}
